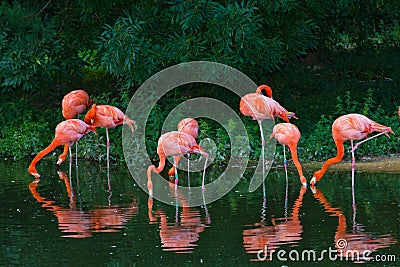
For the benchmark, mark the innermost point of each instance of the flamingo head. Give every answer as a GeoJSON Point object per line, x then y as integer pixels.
{"type": "Point", "coordinates": [90, 115]}
{"type": "Point", "coordinates": [316, 177]}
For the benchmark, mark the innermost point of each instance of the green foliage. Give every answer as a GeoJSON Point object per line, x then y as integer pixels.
{"type": "Point", "coordinates": [28, 49]}
{"type": "Point", "coordinates": [352, 23]}
{"type": "Point", "coordinates": [17, 140]}
{"type": "Point", "coordinates": [241, 35]}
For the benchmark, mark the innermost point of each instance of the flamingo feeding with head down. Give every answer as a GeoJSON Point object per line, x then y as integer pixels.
{"type": "Point", "coordinates": [288, 134]}
{"type": "Point", "coordinates": [261, 107]}
{"type": "Point", "coordinates": [350, 127]}
{"type": "Point", "coordinates": [73, 104]}
{"type": "Point", "coordinates": [106, 116]}
{"type": "Point", "coordinates": [67, 132]}
{"type": "Point", "coordinates": [189, 126]}
{"type": "Point", "coordinates": [175, 144]}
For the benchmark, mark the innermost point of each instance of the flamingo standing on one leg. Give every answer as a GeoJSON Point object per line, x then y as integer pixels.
{"type": "Point", "coordinates": [288, 134]}
{"type": "Point", "coordinates": [174, 144]}
{"type": "Point", "coordinates": [106, 116]}
{"type": "Point", "coordinates": [73, 104]}
{"type": "Point", "coordinates": [67, 132]}
{"type": "Point", "coordinates": [350, 127]}
{"type": "Point", "coordinates": [189, 126]}
{"type": "Point", "coordinates": [260, 107]}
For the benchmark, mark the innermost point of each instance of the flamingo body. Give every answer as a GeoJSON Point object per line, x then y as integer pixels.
{"type": "Point", "coordinates": [75, 103]}
{"type": "Point", "coordinates": [189, 126]}
{"type": "Point", "coordinates": [106, 116]}
{"type": "Point", "coordinates": [173, 144]}
{"type": "Point", "coordinates": [260, 107]}
{"type": "Point", "coordinates": [67, 132]}
{"type": "Point", "coordinates": [349, 127]}
{"type": "Point", "coordinates": [288, 134]}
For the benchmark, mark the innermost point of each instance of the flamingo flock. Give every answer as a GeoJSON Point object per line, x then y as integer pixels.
{"type": "Point", "coordinates": [71, 130]}
{"type": "Point", "coordinates": [181, 236]}
{"type": "Point", "coordinates": [183, 141]}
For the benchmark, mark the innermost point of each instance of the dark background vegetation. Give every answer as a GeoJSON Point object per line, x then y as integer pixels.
{"type": "Point", "coordinates": [322, 59]}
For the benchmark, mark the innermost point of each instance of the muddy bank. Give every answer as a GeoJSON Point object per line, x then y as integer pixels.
{"type": "Point", "coordinates": [389, 164]}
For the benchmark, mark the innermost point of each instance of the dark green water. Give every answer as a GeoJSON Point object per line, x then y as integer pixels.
{"type": "Point", "coordinates": [94, 223]}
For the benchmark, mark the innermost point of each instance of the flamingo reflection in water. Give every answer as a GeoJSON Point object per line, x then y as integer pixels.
{"type": "Point", "coordinates": [283, 231]}
{"type": "Point", "coordinates": [355, 244]}
{"type": "Point", "coordinates": [78, 223]}
{"type": "Point", "coordinates": [180, 235]}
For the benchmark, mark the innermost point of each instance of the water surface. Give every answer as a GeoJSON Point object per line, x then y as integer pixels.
{"type": "Point", "coordinates": [82, 216]}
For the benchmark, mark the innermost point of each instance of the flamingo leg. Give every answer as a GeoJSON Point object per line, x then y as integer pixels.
{"type": "Point", "coordinates": [76, 152]}
{"type": "Point", "coordinates": [262, 147]}
{"type": "Point", "coordinates": [365, 140]}
{"type": "Point", "coordinates": [108, 177]}
{"type": "Point", "coordinates": [353, 163]}
{"type": "Point", "coordinates": [205, 208]}
{"type": "Point", "coordinates": [285, 161]}
{"type": "Point", "coordinates": [108, 151]}
{"type": "Point", "coordinates": [354, 206]}
{"type": "Point", "coordinates": [188, 158]}
{"type": "Point", "coordinates": [176, 171]}
{"type": "Point", "coordinates": [70, 153]}
{"type": "Point", "coordinates": [77, 183]}
{"type": "Point", "coordinates": [70, 177]}
{"type": "Point", "coordinates": [204, 171]}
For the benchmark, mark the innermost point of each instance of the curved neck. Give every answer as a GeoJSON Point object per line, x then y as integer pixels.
{"type": "Point", "coordinates": [43, 153]}
{"type": "Point", "coordinates": [293, 151]}
{"type": "Point", "coordinates": [266, 89]}
{"type": "Point", "coordinates": [153, 168]}
{"type": "Point", "coordinates": [336, 159]}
